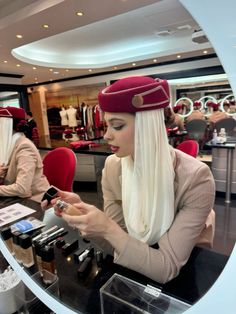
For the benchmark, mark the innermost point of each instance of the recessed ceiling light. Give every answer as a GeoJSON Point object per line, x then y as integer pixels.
{"type": "Point", "coordinates": [19, 36]}
{"type": "Point", "coordinates": [35, 78]}
{"type": "Point", "coordinates": [56, 72]}
{"type": "Point", "coordinates": [45, 26]}
{"type": "Point", "coordinates": [133, 64]}
{"type": "Point", "coordinates": [50, 70]}
{"type": "Point", "coordinates": [155, 60]}
{"type": "Point", "coordinates": [5, 61]}
{"type": "Point", "coordinates": [34, 68]}
{"type": "Point", "coordinates": [179, 56]}
{"type": "Point", "coordinates": [115, 68]}
{"type": "Point", "coordinates": [90, 70]}
{"type": "Point", "coordinates": [79, 13]}
{"type": "Point", "coordinates": [18, 65]}
{"type": "Point", "coordinates": [67, 70]}
{"type": "Point", "coordinates": [205, 52]}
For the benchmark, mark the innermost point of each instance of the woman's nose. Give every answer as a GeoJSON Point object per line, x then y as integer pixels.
{"type": "Point", "coordinates": [107, 135]}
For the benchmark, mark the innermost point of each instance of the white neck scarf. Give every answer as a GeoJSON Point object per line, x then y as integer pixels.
{"type": "Point", "coordinates": [148, 180]}
{"type": "Point", "coordinates": [7, 139]}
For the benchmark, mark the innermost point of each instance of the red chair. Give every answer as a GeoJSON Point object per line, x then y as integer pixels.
{"type": "Point", "coordinates": [59, 168]}
{"type": "Point", "coordinates": [189, 147]}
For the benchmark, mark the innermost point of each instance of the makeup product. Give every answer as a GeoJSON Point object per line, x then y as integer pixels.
{"type": "Point", "coordinates": [48, 260]}
{"type": "Point", "coordinates": [27, 256]}
{"type": "Point", "coordinates": [45, 233]}
{"type": "Point", "coordinates": [70, 246]}
{"type": "Point", "coordinates": [99, 258]}
{"type": "Point", "coordinates": [58, 233]}
{"type": "Point", "coordinates": [50, 194]}
{"type": "Point", "coordinates": [85, 267]}
{"type": "Point", "coordinates": [16, 246]}
{"type": "Point", "coordinates": [67, 208]}
{"type": "Point", "coordinates": [88, 252]}
{"type": "Point", "coordinates": [38, 258]}
{"type": "Point", "coordinates": [8, 238]}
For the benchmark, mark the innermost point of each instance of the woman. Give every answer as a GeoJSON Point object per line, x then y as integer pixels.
{"type": "Point", "coordinates": [156, 199]}
{"type": "Point", "coordinates": [21, 168]}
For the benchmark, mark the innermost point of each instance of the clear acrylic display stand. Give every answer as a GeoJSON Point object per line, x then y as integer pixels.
{"type": "Point", "coordinates": [121, 295]}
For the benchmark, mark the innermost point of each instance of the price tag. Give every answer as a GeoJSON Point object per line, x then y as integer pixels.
{"type": "Point", "coordinates": [152, 290]}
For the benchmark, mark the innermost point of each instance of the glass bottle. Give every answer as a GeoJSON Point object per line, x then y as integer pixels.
{"type": "Point", "coordinates": [16, 246]}
{"type": "Point", "coordinates": [48, 262]}
{"type": "Point", "coordinates": [26, 250]}
{"type": "Point", "coordinates": [67, 208]}
{"type": "Point", "coordinates": [8, 238]}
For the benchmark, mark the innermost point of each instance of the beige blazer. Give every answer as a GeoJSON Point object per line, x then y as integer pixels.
{"type": "Point", "coordinates": [25, 176]}
{"type": "Point", "coordinates": [194, 199]}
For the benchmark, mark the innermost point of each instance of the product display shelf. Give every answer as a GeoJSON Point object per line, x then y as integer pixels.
{"type": "Point", "coordinates": [51, 302]}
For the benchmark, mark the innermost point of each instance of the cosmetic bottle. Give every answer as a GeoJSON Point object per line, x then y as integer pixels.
{"type": "Point", "coordinates": [16, 246]}
{"type": "Point", "coordinates": [8, 238]}
{"type": "Point", "coordinates": [48, 260]}
{"type": "Point", "coordinates": [26, 250]}
{"type": "Point", "coordinates": [67, 208]}
{"type": "Point", "coordinates": [38, 259]}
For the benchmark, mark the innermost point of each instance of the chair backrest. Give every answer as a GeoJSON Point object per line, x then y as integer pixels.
{"type": "Point", "coordinates": [196, 129]}
{"type": "Point", "coordinates": [189, 147]}
{"type": "Point", "coordinates": [59, 168]}
{"type": "Point", "coordinates": [228, 123]}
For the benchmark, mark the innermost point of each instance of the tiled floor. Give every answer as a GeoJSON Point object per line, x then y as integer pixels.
{"type": "Point", "coordinates": [225, 232]}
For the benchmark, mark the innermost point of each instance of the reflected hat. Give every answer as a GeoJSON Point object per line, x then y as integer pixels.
{"type": "Point", "coordinates": [212, 104]}
{"type": "Point", "coordinates": [177, 108]}
{"type": "Point", "coordinates": [12, 112]}
{"type": "Point", "coordinates": [197, 104]}
{"type": "Point", "coordinates": [133, 94]}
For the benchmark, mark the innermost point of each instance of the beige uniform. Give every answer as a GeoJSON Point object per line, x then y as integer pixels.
{"type": "Point", "coordinates": [25, 173]}
{"type": "Point", "coordinates": [194, 199]}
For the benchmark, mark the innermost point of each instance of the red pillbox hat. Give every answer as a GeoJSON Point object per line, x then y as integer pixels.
{"type": "Point", "coordinates": [133, 94]}
{"type": "Point", "coordinates": [12, 112]}
{"type": "Point", "coordinates": [197, 104]}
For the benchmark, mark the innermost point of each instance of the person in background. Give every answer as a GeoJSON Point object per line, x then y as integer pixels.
{"type": "Point", "coordinates": [178, 119]}
{"type": "Point", "coordinates": [21, 168]}
{"type": "Point", "coordinates": [157, 200]}
{"type": "Point", "coordinates": [216, 115]}
{"type": "Point", "coordinates": [196, 114]}
{"type": "Point", "coordinates": [31, 123]}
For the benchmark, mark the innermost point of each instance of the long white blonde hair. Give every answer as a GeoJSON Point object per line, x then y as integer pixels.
{"type": "Point", "coordinates": [148, 180]}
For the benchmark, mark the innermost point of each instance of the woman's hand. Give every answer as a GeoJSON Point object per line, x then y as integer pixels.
{"type": "Point", "coordinates": [91, 221]}
{"type": "Point", "coordinates": [68, 197]}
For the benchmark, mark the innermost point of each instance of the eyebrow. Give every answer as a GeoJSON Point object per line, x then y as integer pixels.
{"type": "Point", "coordinates": [115, 120]}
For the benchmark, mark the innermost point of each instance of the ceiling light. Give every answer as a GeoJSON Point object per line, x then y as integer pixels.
{"type": "Point", "coordinates": [34, 68]}
{"type": "Point", "coordinates": [115, 68]}
{"type": "Point", "coordinates": [5, 61]}
{"type": "Point", "coordinates": [50, 70]}
{"type": "Point", "coordinates": [51, 80]}
{"type": "Point", "coordinates": [35, 78]}
{"type": "Point", "coordinates": [56, 72]}
{"type": "Point", "coordinates": [205, 52]}
{"type": "Point", "coordinates": [179, 56]}
{"type": "Point", "coordinates": [45, 26]}
{"type": "Point", "coordinates": [90, 70]}
{"type": "Point", "coordinates": [19, 36]}
{"type": "Point", "coordinates": [18, 65]}
{"type": "Point", "coordinates": [155, 60]}
{"type": "Point", "coordinates": [67, 70]}
{"type": "Point", "coordinates": [133, 64]}
{"type": "Point", "coordinates": [79, 13]}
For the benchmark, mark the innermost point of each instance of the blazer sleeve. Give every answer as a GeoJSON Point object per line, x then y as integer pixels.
{"type": "Point", "coordinates": [24, 165]}
{"type": "Point", "coordinates": [176, 244]}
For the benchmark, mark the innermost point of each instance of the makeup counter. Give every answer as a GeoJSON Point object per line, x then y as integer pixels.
{"type": "Point", "coordinates": [79, 291]}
